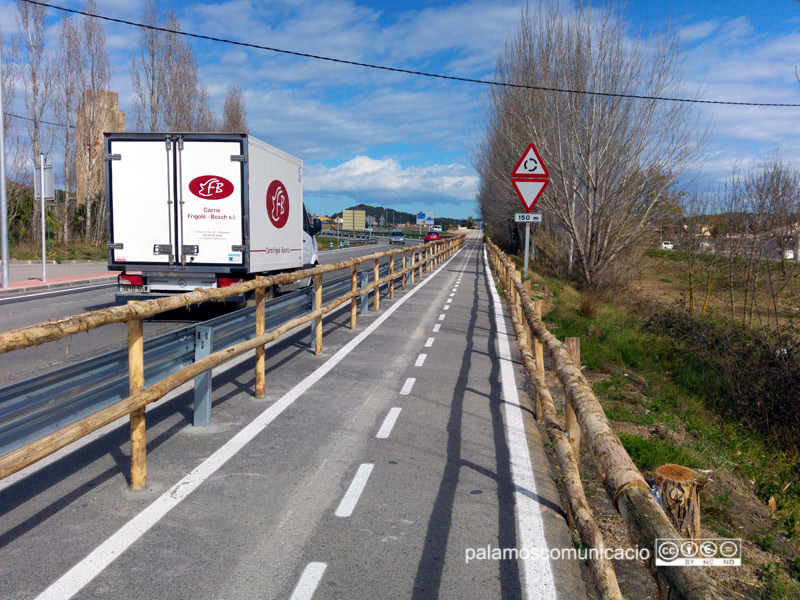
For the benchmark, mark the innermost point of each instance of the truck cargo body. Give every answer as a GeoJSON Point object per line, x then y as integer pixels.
{"type": "Point", "coordinates": [202, 210]}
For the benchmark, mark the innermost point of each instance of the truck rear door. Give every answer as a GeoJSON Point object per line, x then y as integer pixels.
{"type": "Point", "coordinates": [210, 202]}
{"type": "Point", "coordinates": [141, 201]}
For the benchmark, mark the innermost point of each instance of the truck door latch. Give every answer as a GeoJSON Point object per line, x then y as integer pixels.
{"type": "Point", "coordinates": [117, 246]}
{"type": "Point", "coordinates": [162, 249]}
{"type": "Point", "coordinates": [190, 250]}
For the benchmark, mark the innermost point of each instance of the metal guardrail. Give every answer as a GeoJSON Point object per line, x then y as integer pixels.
{"type": "Point", "coordinates": [38, 406]}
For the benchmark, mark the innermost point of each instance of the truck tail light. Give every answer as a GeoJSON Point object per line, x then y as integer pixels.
{"type": "Point", "coordinates": [228, 281]}
{"type": "Point", "coordinates": [126, 279]}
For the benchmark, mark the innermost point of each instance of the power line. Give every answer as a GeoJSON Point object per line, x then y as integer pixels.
{"type": "Point", "coordinates": [408, 71]}
{"type": "Point", "coordinates": [8, 114]}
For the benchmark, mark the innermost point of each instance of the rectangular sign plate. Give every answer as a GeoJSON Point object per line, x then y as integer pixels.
{"type": "Point", "coordinates": [527, 217]}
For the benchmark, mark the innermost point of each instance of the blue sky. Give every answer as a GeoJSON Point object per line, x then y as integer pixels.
{"type": "Point", "coordinates": [404, 141]}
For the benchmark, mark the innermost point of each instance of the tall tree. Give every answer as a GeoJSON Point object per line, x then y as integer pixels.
{"type": "Point", "coordinates": [147, 63]}
{"type": "Point", "coordinates": [234, 114]}
{"type": "Point", "coordinates": [69, 83]}
{"type": "Point", "coordinates": [613, 160]}
{"type": "Point", "coordinates": [36, 76]}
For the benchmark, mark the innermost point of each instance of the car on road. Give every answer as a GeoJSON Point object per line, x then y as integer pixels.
{"type": "Point", "coordinates": [397, 237]}
{"type": "Point", "coordinates": [437, 228]}
{"type": "Point", "coordinates": [667, 245]}
{"type": "Point", "coordinates": [433, 236]}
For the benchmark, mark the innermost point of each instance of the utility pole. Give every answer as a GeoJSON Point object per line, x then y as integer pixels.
{"type": "Point", "coordinates": [4, 275]}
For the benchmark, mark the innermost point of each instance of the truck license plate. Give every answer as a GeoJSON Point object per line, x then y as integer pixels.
{"type": "Point", "coordinates": [133, 288]}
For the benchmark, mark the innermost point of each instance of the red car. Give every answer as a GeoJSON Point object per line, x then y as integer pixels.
{"type": "Point", "coordinates": [433, 236]}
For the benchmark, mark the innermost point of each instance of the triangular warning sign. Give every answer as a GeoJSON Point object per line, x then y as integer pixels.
{"type": "Point", "coordinates": [529, 191]}
{"type": "Point", "coordinates": [530, 165]}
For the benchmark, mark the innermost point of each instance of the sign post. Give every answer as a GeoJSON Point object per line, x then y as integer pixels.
{"type": "Point", "coordinates": [529, 178]}
{"type": "Point", "coordinates": [43, 190]}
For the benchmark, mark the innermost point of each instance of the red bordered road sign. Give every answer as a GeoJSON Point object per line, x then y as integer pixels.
{"type": "Point", "coordinates": [530, 177]}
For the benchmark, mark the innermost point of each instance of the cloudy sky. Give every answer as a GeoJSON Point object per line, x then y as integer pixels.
{"type": "Point", "coordinates": [405, 141]}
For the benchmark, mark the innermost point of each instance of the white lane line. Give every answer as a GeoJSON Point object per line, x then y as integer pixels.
{"type": "Point", "coordinates": [353, 493]}
{"type": "Point", "coordinates": [388, 423]}
{"type": "Point", "coordinates": [446, 307]}
{"type": "Point", "coordinates": [420, 360]}
{"type": "Point", "coordinates": [455, 288]}
{"type": "Point", "coordinates": [429, 342]}
{"type": "Point", "coordinates": [309, 581]}
{"type": "Point", "coordinates": [539, 583]}
{"type": "Point", "coordinates": [453, 294]}
{"type": "Point", "coordinates": [449, 300]}
{"type": "Point", "coordinates": [13, 299]}
{"type": "Point", "coordinates": [406, 389]}
{"type": "Point", "coordinates": [437, 327]}
{"type": "Point", "coordinates": [441, 317]}
{"type": "Point", "coordinates": [71, 582]}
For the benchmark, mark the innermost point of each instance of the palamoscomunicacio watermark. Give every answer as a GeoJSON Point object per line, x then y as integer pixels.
{"type": "Point", "coordinates": [490, 552]}
{"type": "Point", "coordinates": [700, 552]}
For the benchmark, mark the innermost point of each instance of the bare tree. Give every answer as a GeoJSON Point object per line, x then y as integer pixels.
{"type": "Point", "coordinates": [69, 83]}
{"type": "Point", "coordinates": [147, 62]}
{"type": "Point", "coordinates": [16, 151]}
{"type": "Point", "coordinates": [234, 114]}
{"type": "Point", "coordinates": [37, 78]}
{"type": "Point", "coordinates": [613, 159]}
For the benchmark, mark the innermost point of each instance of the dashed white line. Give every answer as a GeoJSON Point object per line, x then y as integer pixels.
{"type": "Point", "coordinates": [388, 423]}
{"type": "Point", "coordinates": [441, 317]}
{"type": "Point", "coordinates": [353, 493]}
{"type": "Point", "coordinates": [309, 581]}
{"type": "Point", "coordinates": [429, 342]}
{"type": "Point", "coordinates": [449, 300]}
{"type": "Point", "coordinates": [420, 360]}
{"type": "Point", "coordinates": [437, 327]}
{"type": "Point", "coordinates": [453, 294]}
{"type": "Point", "coordinates": [446, 307]}
{"type": "Point", "coordinates": [406, 389]}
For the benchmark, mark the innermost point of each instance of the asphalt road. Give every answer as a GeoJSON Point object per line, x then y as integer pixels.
{"type": "Point", "coordinates": [371, 471]}
{"type": "Point", "coordinates": [40, 306]}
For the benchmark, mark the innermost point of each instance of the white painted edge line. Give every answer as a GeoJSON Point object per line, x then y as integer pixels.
{"type": "Point", "coordinates": [437, 327]}
{"type": "Point", "coordinates": [441, 317]}
{"type": "Point", "coordinates": [429, 342]}
{"type": "Point", "coordinates": [539, 582]}
{"type": "Point", "coordinates": [420, 360]}
{"type": "Point", "coordinates": [309, 580]}
{"type": "Point", "coordinates": [82, 288]}
{"type": "Point", "coordinates": [353, 493]}
{"type": "Point", "coordinates": [71, 582]}
{"type": "Point", "coordinates": [406, 389]}
{"type": "Point", "coordinates": [388, 423]}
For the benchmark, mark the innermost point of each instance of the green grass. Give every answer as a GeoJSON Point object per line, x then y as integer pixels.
{"type": "Point", "coordinates": [651, 454]}
{"type": "Point", "coordinates": [60, 252]}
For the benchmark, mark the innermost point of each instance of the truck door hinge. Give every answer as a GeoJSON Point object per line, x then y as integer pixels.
{"type": "Point", "coordinates": [238, 158]}
{"type": "Point", "coordinates": [116, 246]}
{"type": "Point", "coordinates": [113, 157]}
{"type": "Point", "coordinates": [162, 249]}
{"type": "Point", "coordinates": [238, 248]}
{"type": "Point", "coordinates": [193, 250]}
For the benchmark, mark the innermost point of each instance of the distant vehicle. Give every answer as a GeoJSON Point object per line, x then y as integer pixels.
{"type": "Point", "coordinates": [433, 236]}
{"type": "Point", "coordinates": [397, 237]}
{"type": "Point", "coordinates": [667, 245]}
{"type": "Point", "coordinates": [437, 228]}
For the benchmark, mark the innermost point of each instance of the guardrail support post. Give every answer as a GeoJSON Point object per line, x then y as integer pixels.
{"type": "Point", "coordinates": [137, 418]}
{"type": "Point", "coordinates": [261, 355]}
{"type": "Point", "coordinates": [354, 301]}
{"type": "Point", "coordinates": [203, 342]}
{"type": "Point", "coordinates": [376, 299]}
{"type": "Point", "coordinates": [362, 283]}
{"type": "Point", "coordinates": [570, 420]}
{"type": "Point", "coordinates": [405, 274]}
{"type": "Point", "coordinates": [391, 279]}
{"type": "Point", "coordinates": [318, 320]}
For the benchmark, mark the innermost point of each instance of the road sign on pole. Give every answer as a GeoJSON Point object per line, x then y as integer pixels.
{"type": "Point", "coordinates": [529, 178]}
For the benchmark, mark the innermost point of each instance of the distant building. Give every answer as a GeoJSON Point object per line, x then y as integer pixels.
{"type": "Point", "coordinates": [98, 112]}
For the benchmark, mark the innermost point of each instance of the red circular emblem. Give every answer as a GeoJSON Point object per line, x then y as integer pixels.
{"type": "Point", "coordinates": [277, 204]}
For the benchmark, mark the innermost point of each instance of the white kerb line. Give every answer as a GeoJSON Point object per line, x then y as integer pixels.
{"type": "Point", "coordinates": [309, 581]}
{"type": "Point", "coordinates": [71, 582]}
{"type": "Point", "coordinates": [353, 493]}
{"type": "Point", "coordinates": [539, 582]}
{"type": "Point", "coordinates": [420, 360]}
{"type": "Point", "coordinates": [388, 423]}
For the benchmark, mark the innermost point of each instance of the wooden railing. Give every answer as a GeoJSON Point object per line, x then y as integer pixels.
{"type": "Point", "coordinates": [416, 260]}
{"type": "Point", "coordinates": [584, 415]}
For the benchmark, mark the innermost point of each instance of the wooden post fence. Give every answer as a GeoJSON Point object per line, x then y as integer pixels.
{"type": "Point", "coordinates": [137, 418]}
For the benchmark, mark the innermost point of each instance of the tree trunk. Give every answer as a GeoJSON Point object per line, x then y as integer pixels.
{"type": "Point", "coordinates": [680, 489]}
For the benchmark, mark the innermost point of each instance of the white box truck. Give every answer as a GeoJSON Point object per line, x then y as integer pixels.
{"type": "Point", "coordinates": [202, 210]}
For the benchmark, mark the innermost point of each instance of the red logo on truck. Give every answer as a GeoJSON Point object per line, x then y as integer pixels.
{"type": "Point", "coordinates": [211, 187]}
{"type": "Point", "coordinates": [277, 204]}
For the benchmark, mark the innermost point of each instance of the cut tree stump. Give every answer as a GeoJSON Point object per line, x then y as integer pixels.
{"type": "Point", "coordinates": [680, 495]}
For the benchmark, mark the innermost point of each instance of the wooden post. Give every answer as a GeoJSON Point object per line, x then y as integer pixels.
{"type": "Point", "coordinates": [403, 279]}
{"type": "Point", "coordinates": [318, 320]}
{"type": "Point", "coordinates": [517, 303]}
{"type": "Point", "coordinates": [570, 420]}
{"type": "Point", "coordinates": [354, 301]}
{"type": "Point", "coordinates": [137, 418]}
{"type": "Point", "coordinates": [413, 253]}
{"type": "Point", "coordinates": [376, 298]}
{"type": "Point", "coordinates": [680, 489]}
{"type": "Point", "coordinates": [391, 280]}
{"type": "Point", "coordinates": [261, 355]}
